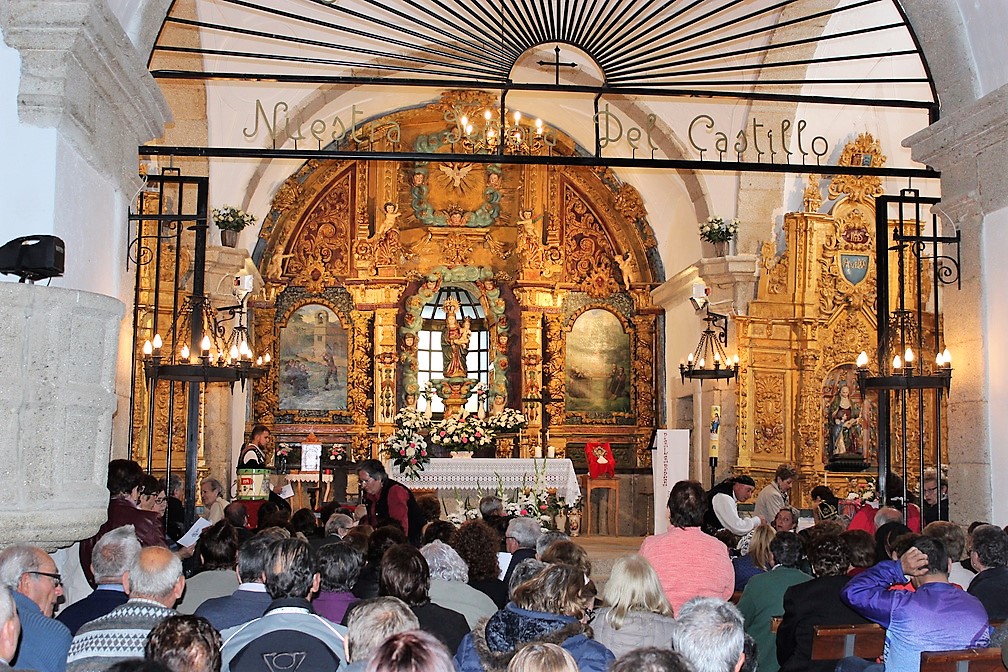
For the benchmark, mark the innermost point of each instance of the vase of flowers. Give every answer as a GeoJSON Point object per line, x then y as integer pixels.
{"type": "Point", "coordinates": [408, 452]}
{"type": "Point", "coordinates": [719, 233]}
{"type": "Point", "coordinates": [231, 220]}
{"type": "Point", "coordinates": [280, 458]}
{"type": "Point", "coordinates": [461, 432]}
{"type": "Point", "coordinates": [509, 420]}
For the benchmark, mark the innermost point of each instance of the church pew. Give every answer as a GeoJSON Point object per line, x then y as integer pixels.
{"type": "Point", "coordinates": [967, 660]}
{"type": "Point", "coordinates": [833, 642]}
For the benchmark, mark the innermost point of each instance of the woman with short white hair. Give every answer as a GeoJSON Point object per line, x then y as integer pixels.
{"type": "Point", "coordinates": [449, 584]}
{"type": "Point", "coordinates": [638, 613]}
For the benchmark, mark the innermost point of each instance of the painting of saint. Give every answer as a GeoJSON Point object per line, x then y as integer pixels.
{"type": "Point", "coordinates": [845, 417]}
{"type": "Point", "coordinates": [598, 364]}
{"type": "Point", "coordinates": [313, 361]}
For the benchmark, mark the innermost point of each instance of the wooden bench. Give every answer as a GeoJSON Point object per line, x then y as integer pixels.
{"type": "Point", "coordinates": [966, 660]}
{"type": "Point", "coordinates": [833, 642]}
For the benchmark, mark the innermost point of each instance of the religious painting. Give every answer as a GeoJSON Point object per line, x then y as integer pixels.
{"type": "Point", "coordinates": [849, 430]}
{"type": "Point", "coordinates": [313, 361]}
{"type": "Point", "coordinates": [598, 364]}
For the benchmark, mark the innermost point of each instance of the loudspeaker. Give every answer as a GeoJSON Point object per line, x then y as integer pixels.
{"type": "Point", "coordinates": [33, 257]}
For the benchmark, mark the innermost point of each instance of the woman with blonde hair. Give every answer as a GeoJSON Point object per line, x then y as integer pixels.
{"type": "Point", "coordinates": [540, 657]}
{"type": "Point", "coordinates": [757, 560]}
{"type": "Point", "coordinates": [638, 613]}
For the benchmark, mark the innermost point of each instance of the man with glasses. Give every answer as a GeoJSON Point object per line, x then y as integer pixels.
{"type": "Point", "coordinates": [31, 576]}
{"type": "Point", "coordinates": [936, 503]}
{"type": "Point", "coordinates": [389, 501]}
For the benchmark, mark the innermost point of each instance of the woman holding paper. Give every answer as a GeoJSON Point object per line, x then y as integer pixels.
{"type": "Point", "coordinates": [211, 492]}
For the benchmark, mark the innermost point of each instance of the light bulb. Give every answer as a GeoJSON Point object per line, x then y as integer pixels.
{"type": "Point", "coordinates": [184, 353]}
{"type": "Point", "coordinates": [690, 358]}
{"type": "Point", "coordinates": [735, 360]}
{"type": "Point", "coordinates": [205, 344]}
{"type": "Point", "coordinates": [701, 362]}
{"type": "Point", "coordinates": [258, 361]}
{"type": "Point", "coordinates": [464, 121]}
{"type": "Point", "coordinates": [939, 360]}
{"type": "Point", "coordinates": [243, 348]}
{"type": "Point", "coordinates": [517, 117]}
{"type": "Point", "coordinates": [148, 349]}
{"type": "Point", "coordinates": [897, 363]}
{"type": "Point", "coordinates": [487, 115]}
{"type": "Point", "coordinates": [267, 358]}
{"type": "Point", "coordinates": [947, 356]}
{"type": "Point", "coordinates": [234, 352]}
{"type": "Point", "coordinates": [862, 360]}
{"type": "Point", "coordinates": [157, 343]}
{"type": "Point", "coordinates": [908, 356]}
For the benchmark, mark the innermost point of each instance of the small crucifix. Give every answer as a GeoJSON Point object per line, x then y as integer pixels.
{"type": "Point", "coordinates": [556, 63]}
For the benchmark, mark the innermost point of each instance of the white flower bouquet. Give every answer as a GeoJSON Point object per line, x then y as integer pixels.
{"type": "Point", "coordinates": [508, 420]}
{"type": "Point", "coordinates": [717, 230]}
{"type": "Point", "coordinates": [461, 432]}
{"type": "Point", "coordinates": [408, 452]}
{"type": "Point", "coordinates": [412, 420]}
{"type": "Point", "coordinates": [230, 218]}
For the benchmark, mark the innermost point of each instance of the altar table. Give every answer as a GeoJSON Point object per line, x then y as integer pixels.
{"type": "Point", "coordinates": [481, 473]}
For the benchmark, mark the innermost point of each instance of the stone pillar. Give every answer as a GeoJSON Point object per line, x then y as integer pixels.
{"type": "Point", "coordinates": [970, 148]}
{"type": "Point", "coordinates": [56, 406]}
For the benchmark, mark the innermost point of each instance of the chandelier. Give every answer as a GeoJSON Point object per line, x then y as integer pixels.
{"type": "Point", "coordinates": [904, 375]}
{"type": "Point", "coordinates": [502, 134]}
{"type": "Point", "coordinates": [709, 361]}
{"type": "Point", "coordinates": [208, 353]}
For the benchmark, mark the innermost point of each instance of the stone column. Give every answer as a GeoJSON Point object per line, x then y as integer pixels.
{"type": "Point", "coordinates": [56, 406]}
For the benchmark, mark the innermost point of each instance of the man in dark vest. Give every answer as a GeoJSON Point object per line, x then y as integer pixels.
{"type": "Point", "coordinates": [722, 509]}
{"type": "Point", "coordinates": [389, 501]}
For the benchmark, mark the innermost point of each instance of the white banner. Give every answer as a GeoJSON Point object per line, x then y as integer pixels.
{"type": "Point", "coordinates": [669, 465]}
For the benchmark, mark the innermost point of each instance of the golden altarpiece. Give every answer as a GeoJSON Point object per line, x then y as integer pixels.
{"type": "Point", "coordinates": [561, 262]}
{"type": "Point", "coordinates": [798, 397]}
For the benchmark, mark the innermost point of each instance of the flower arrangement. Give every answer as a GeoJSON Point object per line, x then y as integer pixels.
{"type": "Point", "coordinates": [461, 432]}
{"type": "Point", "coordinates": [230, 218]}
{"type": "Point", "coordinates": [283, 449]}
{"type": "Point", "coordinates": [716, 230]}
{"type": "Point", "coordinates": [337, 452]}
{"type": "Point", "coordinates": [508, 420]}
{"type": "Point", "coordinates": [408, 452]}
{"type": "Point", "coordinates": [412, 420]}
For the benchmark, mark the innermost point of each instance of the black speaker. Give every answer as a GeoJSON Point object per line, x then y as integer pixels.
{"type": "Point", "coordinates": [33, 257]}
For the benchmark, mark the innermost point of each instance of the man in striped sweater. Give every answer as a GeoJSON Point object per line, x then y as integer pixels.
{"type": "Point", "coordinates": [154, 584]}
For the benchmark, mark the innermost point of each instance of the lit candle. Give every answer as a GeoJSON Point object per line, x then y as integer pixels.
{"type": "Point", "coordinates": [157, 343]}
{"type": "Point", "coordinates": [947, 356]}
{"type": "Point", "coordinates": [148, 349]}
{"type": "Point", "coordinates": [267, 358]}
{"type": "Point", "coordinates": [258, 361]}
{"type": "Point", "coordinates": [234, 353]}
{"type": "Point", "coordinates": [184, 353]}
{"type": "Point", "coordinates": [908, 357]}
{"type": "Point", "coordinates": [897, 363]}
{"type": "Point", "coordinates": [205, 345]}
{"type": "Point", "coordinates": [862, 360]}
{"type": "Point", "coordinates": [701, 362]}
{"type": "Point", "coordinates": [939, 360]}
{"type": "Point", "coordinates": [689, 359]}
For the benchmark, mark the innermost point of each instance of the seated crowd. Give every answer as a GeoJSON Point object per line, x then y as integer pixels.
{"type": "Point", "coordinates": [499, 594]}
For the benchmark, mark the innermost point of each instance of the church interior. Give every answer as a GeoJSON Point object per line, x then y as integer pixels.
{"type": "Point", "coordinates": [773, 226]}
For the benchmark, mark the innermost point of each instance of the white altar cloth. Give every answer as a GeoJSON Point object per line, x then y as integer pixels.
{"type": "Point", "coordinates": [481, 473]}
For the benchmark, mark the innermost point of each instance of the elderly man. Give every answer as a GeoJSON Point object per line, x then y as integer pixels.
{"type": "Point", "coordinates": [289, 630]}
{"type": "Point", "coordinates": [110, 561]}
{"type": "Point", "coordinates": [154, 584]}
{"type": "Point", "coordinates": [989, 555]}
{"type": "Point", "coordinates": [10, 629]}
{"type": "Point", "coordinates": [709, 635]}
{"type": "Point", "coordinates": [937, 616]}
{"type": "Point", "coordinates": [776, 495]}
{"type": "Point", "coordinates": [389, 500]}
{"type": "Point", "coordinates": [723, 501]}
{"type": "Point", "coordinates": [935, 491]}
{"type": "Point", "coordinates": [250, 599]}
{"type": "Point", "coordinates": [31, 576]}
{"type": "Point", "coordinates": [370, 622]}
{"type": "Point", "coordinates": [520, 542]}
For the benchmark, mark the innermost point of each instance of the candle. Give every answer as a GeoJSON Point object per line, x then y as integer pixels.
{"type": "Point", "coordinates": [550, 451]}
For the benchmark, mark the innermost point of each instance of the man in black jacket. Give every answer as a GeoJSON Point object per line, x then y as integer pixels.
{"type": "Point", "coordinates": [989, 555]}
{"type": "Point", "coordinates": [389, 501]}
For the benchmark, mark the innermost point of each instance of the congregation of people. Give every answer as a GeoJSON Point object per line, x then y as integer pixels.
{"type": "Point", "coordinates": [390, 587]}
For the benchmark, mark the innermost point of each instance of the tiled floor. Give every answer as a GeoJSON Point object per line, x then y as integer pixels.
{"type": "Point", "coordinates": [604, 550]}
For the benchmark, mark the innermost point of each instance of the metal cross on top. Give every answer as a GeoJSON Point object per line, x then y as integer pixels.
{"type": "Point", "coordinates": [556, 63]}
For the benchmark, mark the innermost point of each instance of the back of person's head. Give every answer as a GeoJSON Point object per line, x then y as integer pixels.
{"type": "Point", "coordinates": [338, 525]}
{"type": "Point", "coordinates": [175, 484]}
{"type": "Point", "coordinates": [218, 546]}
{"type": "Point", "coordinates": [236, 514]}
{"type": "Point", "coordinates": [123, 477]}
{"type": "Point", "coordinates": [885, 536]}
{"type": "Point", "coordinates": [430, 507]}
{"type": "Point", "coordinates": [359, 539]}
{"type": "Point", "coordinates": [902, 544]}
{"type": "Point", "coordinates": [887, 514]}
{"type": "Point", "coordinates": [304, 521]}
{"type": "Point", "coordinates": [339, 566]}
{"type": "Point", "coordinates": [373, 468]}
{"type": "Point", "coordinates": [650, 659]}
{"type": "Point", "coordinates": [687, 504]}
{"type": "Point", "coordinates": [253, 556]}
{"type": "Point", "coordinates": [185, 644]}
{"type": "Point", "coordinates": [491, 506]}
{"type": "Point", "coordinates": [787, 549]}
{"type": "Point", "coordinates": [444, 562]}
{"type": "Point", "coordinates": [154, 573]}
{"type": "Point", "coordinates": [404, 574]}
{"type": "Point", "coordinates": [290, 572]}
{"type": "Point", "coordinates": [525, 531]}
{"type": "Point", "coordinates": [751, 662]}
{"type": "Point", "coordinates": [759, 546]}
{"type": "Point", "coordinates": [991, 545]}
{"type": "Point", "coordinates": [114, 553]}
{"type": "Point", "coordinates": [860, 547]}
{"type": "Point", "coordinates": [411, 651]}
{"type": "Point", "coordinates": [558, 589]}
{"type": "Point", "coordinates": [975, 524]}
{"type": "Point", "coordinates": [370, 622]}
{"type": "Point", "coordinates": [542, 657]}
{"type": "Point", "coordinates": [828, 556]}
{"type": "Point", "coordinates": [938, 560]}
{"type": "Point", "coordinates": [524, 571]}
{"type": "Point", "coordinates": [477, 543]}
{"type": "Point", "coordinates": [138, 665]}
{"type": "Point", "coordinates": [17, 560]}
{"type": "Point", "coordinates": [381, 540]}
{"type": "Point", "coordinates": [825, 493]}
{"type": "Point", "coordinates": [949, 534]}
{"type": "Point", "coordinates": [567, 553]}
{"type": "Point", "coordinates": [548, 537]}
{"type": "Point", "coordinates": [709, 633]}
{"type": "Point", "coordinates": [633, 585]}
{"type": "Point", "coordinates": [268, 516]}
{"type": "Point", "coordinates": [438, 530]}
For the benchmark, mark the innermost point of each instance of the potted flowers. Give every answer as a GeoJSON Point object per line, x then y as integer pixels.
{"type": "Point", "coordinates": [230, 220]}
{"type": "Point", "coordinates": [719, 232]}
{"type": "Point", "coordinates": [408, 452]}
{"type": "Point", "coordinates": [461, 434]}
